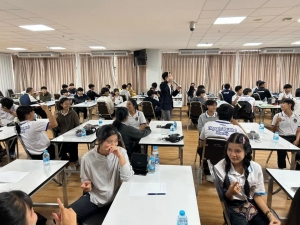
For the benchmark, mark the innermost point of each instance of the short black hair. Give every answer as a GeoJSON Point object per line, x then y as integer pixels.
{"type": "Point", "coordinates": [80, 89]}
{"type": "Point", "coordinates": [71, 84]}
{"type": "Point", "coordinates": [289, 101]}
{"type": "Point", "coordinates": [43, 87]}
{"type": "Point", "coordinates": [227, 86]}
{"type": "Point", "coordinates": [201, 87]}
{"type": "Point", "coordinates": [192, 83]}
{"type": "Point", "coordinates": [64, 86]}
{"type": "Point", "coordinates": [7, 102]}
{"type": "Point", "coordinates": [210, 102]}
{"type": "Point", "coordinates": [63, 91]}
{"type": "Point", "coordinates": [29, 89]}
{"type": "Point", "coordinates": [150, 93]}
{"type": "Point", "coordinates": [103, 90]}
{"type": "Point", "coordinates": [129, 84]}
{"type": "Point", "coordinates": [287, 86]}
{"type": "Point", "coordinates": [22, 111]}
{"type": "Point", "coordinates": [199, 92]}
{"type": "Point", "coordinates": [91, 86]}
{"type": "Point", "coordinates": [124, 86]}
{"type": "Point", "coordinates": [297, 93]}
{"type": "Point", "coordinates": [246, 91]}
{"type": "Point", "coordinates": [108, 86]}
{"type": "Point", "coordinates": [225, 112]}
{"type": "Point", "coordinates": [116, 90]}
{"type": "Point", "coordinates": [257, 82]}
{"type": "Point", "coordinates": [164, 75]}
{"type": "Point", "coordinates": [237, 88]}
{"type": "Point", "coordinates": [154, 85]}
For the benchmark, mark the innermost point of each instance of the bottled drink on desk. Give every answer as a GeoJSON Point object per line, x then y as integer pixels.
{"type": "Point", "coordinates": [83, 132]}
{"type": "Point", "coordinates": [46, 161]}
{"type": "Point", "coordinates": [276, 138]}
{"type": "Point", "coordinates": [182, 218]}
{"type": "Point", "coordinates": [155, 153]}
{"type": "Point", "coordinates": [172, 130]}
{"type": "Point", "coordinates": [100, 122]}
{"type": "Point", "coordinates": [265, 100]}
{"type": "Point", "coordinates": [52, 99]}
{"type": "Point", "coordinates": [151, 165]}
{"type": "Point", "coordinates": [36, 116]}
{"type": "Point", "coordinates": [175, 126]}
{"type": "Point", "coordinates": [261, 129]}
{"type": "Point", "coordinates": [219, 101]}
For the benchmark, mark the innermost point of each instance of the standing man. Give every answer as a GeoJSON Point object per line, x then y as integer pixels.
{"type": "Point", "coordinates": [227, 94]}
{"type": "Point", "coordinates": [262, 91]}
{"type": "Point", "coordinates": [167, 92]}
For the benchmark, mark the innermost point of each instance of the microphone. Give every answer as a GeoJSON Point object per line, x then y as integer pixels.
{"type": "Point", "coordinates": [176, 83]}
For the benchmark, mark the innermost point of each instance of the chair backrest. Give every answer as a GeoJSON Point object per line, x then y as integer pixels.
{"type": "Point", "coordinates": [243, 110]}
{"type": "Point", "coordinates": [147, 109]}
{"type": "Point", "coordinates": [1, 95]}
{"type": "Point", "coordinates": [24, 147]}
{"type": "Point", "coordinates": [103, 110]}
{"type": "Point", "coordinates": [214, 149]}
{"type": "Point", "coordinates": [124, 98]}
{"type": "Point", "coordinates": [218, 187]}
{"type": "Point", "coordinates": [195, 109]}
{"type": "Point", "coordinates": [56, 96]}
{"type": "Point", "coordinates": [256, 96]}
{"type": "Point", "coordinates": [221, 96]}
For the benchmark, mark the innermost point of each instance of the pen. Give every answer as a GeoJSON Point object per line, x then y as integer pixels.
{"type": "Point", "coordinates": [156, 193]}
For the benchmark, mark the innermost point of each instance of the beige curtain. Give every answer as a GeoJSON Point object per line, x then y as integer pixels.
{"type": "Point", "coordinates": [97, 71]}
{"type": "Point", "coordinates": [294, 72]}
{"type": "Point", "coordinates": [49, 72]}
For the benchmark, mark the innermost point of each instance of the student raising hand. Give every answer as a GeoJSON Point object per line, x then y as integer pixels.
{"type": "Point", "coordinates": [65, 216]}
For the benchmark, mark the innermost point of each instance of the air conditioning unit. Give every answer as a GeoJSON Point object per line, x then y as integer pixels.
{"type": "Point", "coordinates": [279, 50]}
{"type": "Point", "coordinates": [109, 53]}
{"type": "Point", "coordinates": [214, 51]}
{"type": "Point", "coordinates": [38, 54]}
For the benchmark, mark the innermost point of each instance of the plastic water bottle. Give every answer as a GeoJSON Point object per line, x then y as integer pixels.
{"type": "Point", "coordinates": [182, 218]}
{"type": "Point", "coordinates": [172, 130]}
{"type": "Point", "coordinates": [261, 129]}
{"type": "Point", "coordinates": [175, 126]}
{"type": "Point", "coordinates": [219, 101]}
{"type": "Point", "coordinates": [36, 116]}
{"type": "Point", "coordinates": [83, 132]}
{"type": "Point", "coordinates": [266, 100]}
{"type": "Point", "coordinates": [100, 121]}
{"type": "Point", "coordinates": [52, 99]}
{"type": "Point", "coordinates": [85, 102]}
{"type": "Point", "coordinates": [155, 153]}
{"type": "Point", "coordinates": [46, 161]}
{"type": "Point", "coordinates": [151, 165]}
{"type": "Point", "coordinates": [276, 138]}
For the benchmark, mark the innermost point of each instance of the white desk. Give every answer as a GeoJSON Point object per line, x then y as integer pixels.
{"type": "Point", "coordinates": [154, 139]}
{"type": "Point", "coordinates": [178, 105]}
{"type": "Point", "coordinates": [286, 179]}
{"type": "Point", "coordinates": [158, 210]}
{"type": "Point", "coordinates": [263, 106]}
{"type": "Point", "coordinates": [37, 177]}
{"type": "Point", "coordinates": [139, 96]}
{"type": "Point", "coordinates": [49, 103]}
{"type": "Point", "coordinates": [6, 135]}
{"type": "Point", "coordinates": [267, 142]}
{"type": "Point", "coordinates": [123, 104]}
{"type": "Point", "coordinates": [89, 105]}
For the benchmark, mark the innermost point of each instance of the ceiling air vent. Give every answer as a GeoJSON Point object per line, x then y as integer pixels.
{"type": "Point", "coordinates": [214, 51]}
{"type": "Point", "coordinates": [109, 53]}
{"type": "Point", "coordinates": [279, 50]}
{"type": "Point", "coordinates": [38, 54]}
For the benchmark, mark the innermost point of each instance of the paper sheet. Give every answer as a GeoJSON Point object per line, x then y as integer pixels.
{"type": "Point", "coordinates": [142, 189]}
{"type": "Point", "coordinates": [12, 176]}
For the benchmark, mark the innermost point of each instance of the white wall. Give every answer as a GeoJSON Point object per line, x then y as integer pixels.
{"type": "Point", "coordinates": [6, 73]}
{"type": "Point", "coordinates": [153, 72]}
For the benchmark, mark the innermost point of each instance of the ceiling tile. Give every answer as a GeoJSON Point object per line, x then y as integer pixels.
{"type": "Point", "coordinates": [280, 3]}
{"type": "Point", "coordinates": [236, 12]}
{"type": "Point", "coordinates": [7, 6]}
{"type": "Point", "coordinates": [269, 11]}
{"type": "Point", "coordinates": [209, 21]}
{"type": "Point", "coordinates": [238, 4]}
{"type": "Point", "coordinates": [18, 22]}
{"type": "Point", "coordinates": [215, 5]}
{"type": "Point", "coordinates": [22, 13]}
{"type": "Point", "coordinates": [7, 16]}
{"type": "Point", "coordinates": [210, 14]}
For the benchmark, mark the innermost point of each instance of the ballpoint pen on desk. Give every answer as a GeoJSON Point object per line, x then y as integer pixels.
{"type": "Point", "coordinates": [156, 193]}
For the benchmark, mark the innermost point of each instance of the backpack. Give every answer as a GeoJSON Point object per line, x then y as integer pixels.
{"type": "Point", "coordinates": [242, 109]}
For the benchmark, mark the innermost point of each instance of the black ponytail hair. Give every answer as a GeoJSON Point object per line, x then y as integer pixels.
{"type": "Point", "coordinates": [135, 105]}
{"type": "Point", "coordinates": [121, 115]}
{"type": "Point", "coordinates": [238, 138]}
{"type": "Point", "coordinates": [22, 111]}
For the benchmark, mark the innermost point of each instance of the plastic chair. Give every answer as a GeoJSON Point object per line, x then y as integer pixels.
{"type": "Point", "coordinates": [103, 110]}
{"type": "Point", "coordinates": [1, 95]}
{"type": "Point", "coordinates": [195, 110]}
{"type": "Point", "coordinates": [256, 96]}
{"type": "Point", "coordinates": [124, 98]}
{"type": "Point", "coordinates": [11, 93]}
{"type": "Point", "coordinates": [148, 110]}
{"type": "Point", "coordinates": [56, 96]}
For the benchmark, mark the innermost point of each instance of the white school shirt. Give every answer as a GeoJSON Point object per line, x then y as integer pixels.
{"type": "Point", "coordinates": [118, 100]}
{"type": "Point", "coordinates": [249, 99]}
{"type": "Point", "coordinates": [297, 106]}
{"type": "Point", "coordinates": [283, 94]}
{"type": "Point", "coordinates": [219, 128]}
{"type": "Point", "coordinates": [255, 179]}
{"type": "Point", "coordinates": [34, 135]}
{"type": "Point", "coordinates": [7, 117]}
{"type": "Point", "coordinates": [126, 93]}
{"type": "Point", "coordinates": [288, 125]}
{"type": "Point", "coordinates": [136, 120]}
{"type": "Point", "coordinates": [108, 102]}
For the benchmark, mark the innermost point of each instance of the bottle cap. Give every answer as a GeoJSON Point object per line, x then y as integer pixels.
{"type": "Point", "coordinates": [155, 147]}
{"type": "Point", "coordinates": [46, 151]}
{"type": "Point", "coordinates": [181, 212]}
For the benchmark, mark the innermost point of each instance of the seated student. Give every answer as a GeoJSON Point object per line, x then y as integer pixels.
{"type": "Point", "coordinates": [191, 92]}
{"type": "Point", "coordinates": [64, 94]}
{"type": "Point", "coordinates": [136, 118]}
{"type": "Point", "coordinates": [223, 127]}
{"type": "Point", "coordinates": [243, 184]}
{"type": "Point", "coordinates": [156, 94]}
{"type": "Point", "coordinates": [103, 169]}
{"type": "Point", "coordinates": [262, 91]}
{"type": "Point", "coordinates": [130, 135]}
{"type": "Point", "coordinates": [91, 93]}
{"type": "Point", "coordinates": [209, 115]}
{"type": "Point", "coordinates": [227, 94]}
{"type": "Point", "coordinates": [72, 90]}
{"type": "Point", "coordinates": [200, 98]}
{"type": "Point", "coordinates": [238, 93]}
{"type": "Point", "coordinates": [287, 93]}
{"type": "Point", "coordinates": [45, 96]}
{"type": "Point", "coordinates": [154, 85]}
{"type": "Point", "coordinates": [202, 87]}
{"type": "Point", "coordinates": [67, 119]}
{"type": "Point", "coordinates": [287, 124]}
{"type": "Point", "coordinates": [297, 102]}
{"type": "Point", "coordinates": [33, 133]}
{"type": "Point", "coordinates": [155, 103]}
{"type": "Point", "coordinates": [293, 216]}
{"type": "Point", "coordinates": [105, 98]}
{"type": "Point", "coordinates": [7, 115]}
{"type": "Point", "coordinates": [247, 93]}
{"type": "Point", "coordinates": [130, 89]}
{"type": "Point", "coordinates": [117, 99]}
{"type": "Point", "coordinates": [79, 98]}
{"type": "Point", "coordinates": [125, 92]}
{"type": "Point", "coordinates": [64, 87]}
{"type": "Point", "coordinates": [28, 99]}
{"type": "Point", "coordinates": [16, 208]}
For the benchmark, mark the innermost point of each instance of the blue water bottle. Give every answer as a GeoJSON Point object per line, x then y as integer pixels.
{"type": "Point", "coordinates": [261, 129]}
{"type": "Point", "coordinates": [175, 126]}
{"type": "Point", "coordinates": [182, 218]}
{"type": "Point", "coordinates": [100, 121]}
{"type": "Point", "coordinates": [172, 130]}
{"type": "Point", "coordinates": [46, 161]}
{"type": "Point", "coordinates": [151, 165]}
{"type": "Point", "coordinates": [83, 132]}
{"type": "Point", "coordinates": [276, 138]}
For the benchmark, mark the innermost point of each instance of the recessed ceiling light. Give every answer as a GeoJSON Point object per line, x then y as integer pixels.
{"type": "Point", "coordinates": [56, 48]}
{"type": "Point", "coordinates": [36, 27]}
{"type": "Point", "coordinates": [17, 49]}
{"type": "Point", "coordinates": [252, 44]}
{"type": "Point", "coordinates": [229, 20]}
{"type": "Point", "coordinates": [204, 45]}
{"type": "Point", "coordinates": [296, 43]}
{"type": "Point", "coordinates": [97, 47]}
{"type": "Point", "coordinates": [299, 20]}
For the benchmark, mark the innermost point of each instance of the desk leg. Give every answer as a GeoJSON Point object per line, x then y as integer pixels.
{"type": "Point", "coordinates": [270, 191]}
{"type": "Point", "coordinates": [180, 114]}
{"type": "Point", "coordinates": [181, 155]}
{"type": "Point", "coordinates": [56, 151]}
{"type": "Point", "coordinates": [64, 186]}
{"type": "Point", "coordinates": [293, 161]}
{"type": "Point", "coordinates": [7, 150]}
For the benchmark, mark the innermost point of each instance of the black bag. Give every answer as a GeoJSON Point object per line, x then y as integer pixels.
{"type": "Point", "coordinates": [139, 163]}
{"type": "Point", "coordinates": [90, 129]}
{"type": "Point", "coordinates": [174, 138]}
{"type": "Point", "coordinates": [167, 126]}
{"type": "Point", "coordinates": [41, 220]}
{"type": "Point", "coordinates": [11, 124]}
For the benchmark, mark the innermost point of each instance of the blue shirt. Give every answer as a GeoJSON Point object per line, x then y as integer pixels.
{"type": "Point", "coordinates": [227, 95]}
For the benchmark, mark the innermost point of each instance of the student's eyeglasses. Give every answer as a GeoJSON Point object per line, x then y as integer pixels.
{"type": "Point", "coordinates": [113, 141]}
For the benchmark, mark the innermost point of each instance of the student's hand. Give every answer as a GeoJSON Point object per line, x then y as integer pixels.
{"type": "Point", "coordinates": [65, 216]}
{"type": "Point", "coordinates": [234, 122]}
{"type": "Point", "coordinates": [44, 107]}
{"type": "Point", "coordinates": [278, 120]}
{"type": "Point", "coordinates": [273, 220]}
{"type": "Point", "coordinates": [234, 188]}
{"type": "Point", "coordinates": [178, 88]}
{"type": "Point", "coordinates": [296, 142]}
{"type": "Point", "coordinates": [6, 110]}
{"type": "Point", "coordinates": [143, 126]}
{"type": "Point", "coordinates": [115, 150]}
{"type": "Point", "coordinates": [86, 186]}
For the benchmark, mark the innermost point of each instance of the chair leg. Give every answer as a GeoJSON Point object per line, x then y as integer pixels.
{"type": "Point", "coordinates": [269, 157]}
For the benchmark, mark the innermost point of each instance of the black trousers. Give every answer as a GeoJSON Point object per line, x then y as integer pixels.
{"type": "Point", "coordinates": [205, 164]}
{"type": "Point", "coordinates": [83, 110]}
{"type": "Point", "coordinates": [72, 149]}
{"type": "Point", "coordinates": [281, 155]}
{"type": "Point", "coordinates": [84, 208]}
{"type": "Point", "coordinates": [51, 151]}
{"type": "Point", "coordinates": [40, 112]}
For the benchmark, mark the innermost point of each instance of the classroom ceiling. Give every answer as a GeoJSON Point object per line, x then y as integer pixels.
{"type": "Point", "coordinates": [155, 24]}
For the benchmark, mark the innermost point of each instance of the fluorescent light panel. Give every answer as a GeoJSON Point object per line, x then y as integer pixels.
{"type": "Point", "coordinates": [56, 48]}
{"type": "Point", "coordinates": [38, 27]}
{"type": "Point", "coordinates": [204, 45]}
{"type": "Point", "coordinates": [252, 44]}
{"type": "Point", "coordinates": [296, 43]}
{"type": "Point", "coordinates": [229, 20]}
{"type": "Point", "coordinates": [97, 47]}
{"type": "Point", "coordinates": [17, 49]}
